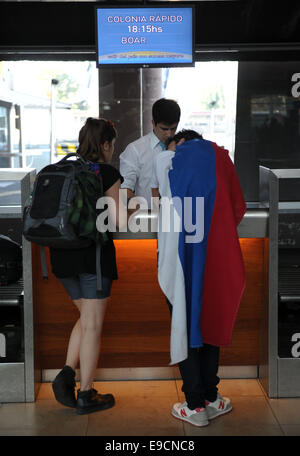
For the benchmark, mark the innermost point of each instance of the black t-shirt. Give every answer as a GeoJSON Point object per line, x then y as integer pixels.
{"type": "Point", "coordinates": [68, 263]}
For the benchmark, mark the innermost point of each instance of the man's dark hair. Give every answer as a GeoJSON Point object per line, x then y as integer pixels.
{"type": "Point", "coordinates": [166, 111]}
{"type": "Point", "coordinates": [186, 134]}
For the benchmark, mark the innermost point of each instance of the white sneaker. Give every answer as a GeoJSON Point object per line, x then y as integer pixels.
{"type": "Point", "coordinates": [197, 417]}
{"type": "Point", "coordinates": [219, 407]}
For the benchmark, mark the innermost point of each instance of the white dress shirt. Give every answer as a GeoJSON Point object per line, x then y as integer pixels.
{"type": "Point", "coordinates": [161, 165]}
{"type": "Point", "coordinates": [136, 164]}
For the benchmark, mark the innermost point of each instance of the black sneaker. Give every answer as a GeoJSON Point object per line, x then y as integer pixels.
{"type": "Point", "coordinates": [91, 401]}
{"type": "Point", "coordinates": [64, 387]}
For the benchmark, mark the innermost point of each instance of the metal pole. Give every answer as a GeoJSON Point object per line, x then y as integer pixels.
{"type": "Point", "coordinates": [54, 83]}
{"type": "Point", "coordinates": [141, 102]}
{"type": "Point", "coordinates": [19, 119]}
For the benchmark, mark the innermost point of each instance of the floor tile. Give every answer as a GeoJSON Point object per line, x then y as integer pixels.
{"type": "Point", "coordinates": [17, 415]}
{"type": "Point", "coordinates": [287, 411]}
{"type": "Point", "coordinates": [248, 417]}
{"type": "Point", "coordinates": [137, 402]}
{"type": "Point", "coordinates": [223, 429]}
{"type": "Point", "coordinates": [45, 392]}
{"type": "Point", "coordinates": [247, 410]}
{"type": "Point", "coordinates": [248, 387]}
{"type": "Point", "coordinates": [22, 432]}
{"type": "Point", "coordinates": [291, 429]}
{"type": "Point", "coordinates": [143, 408]}
{"type": "Point", "coordinates": [136, 415]}
{"type": "Point", "coordinates": [44, 417]}
{"type": "Point", "coordinates": [142, 388]}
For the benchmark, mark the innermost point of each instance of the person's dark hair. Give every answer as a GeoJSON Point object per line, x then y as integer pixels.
{"type": "Point", "coordinates": [186, 134]}
{"type": "Point", "coordinates": [92, 135]}
{"type": "Point", "coordinates": [165, 111]}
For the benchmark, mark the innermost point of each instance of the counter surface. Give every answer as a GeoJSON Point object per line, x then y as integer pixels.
{"type": "Point", "coordinates": [143, 225]}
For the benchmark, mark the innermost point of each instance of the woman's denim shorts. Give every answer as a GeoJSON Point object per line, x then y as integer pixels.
{"type": "Point", "coordinates": [85, 286]}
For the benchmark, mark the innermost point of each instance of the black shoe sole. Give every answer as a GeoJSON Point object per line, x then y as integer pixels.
{"type": "Point", "coordinates": [59, 394]}
{"type": "Point", "coordinates": [95, 408]}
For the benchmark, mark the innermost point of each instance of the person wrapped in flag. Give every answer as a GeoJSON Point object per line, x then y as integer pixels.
{"type": "Point", "coordinates": [200, 264]}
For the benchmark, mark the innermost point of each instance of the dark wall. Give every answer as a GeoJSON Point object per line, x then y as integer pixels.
{"type": "Point", "coordinates": [126, 97]}
{"type": "Point", "coordinates": [267, 121]}
{"type": "Point", "coordinates": [263, 36]}
{"type": "Point", "coordinates": [70, 26]}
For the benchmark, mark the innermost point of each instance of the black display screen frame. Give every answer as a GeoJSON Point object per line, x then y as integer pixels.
{"type": "Point", "coordinates": [145, 65]}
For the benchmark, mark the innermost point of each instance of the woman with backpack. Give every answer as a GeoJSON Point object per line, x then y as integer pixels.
{"type": "Point", "coordinates": [76, 269]}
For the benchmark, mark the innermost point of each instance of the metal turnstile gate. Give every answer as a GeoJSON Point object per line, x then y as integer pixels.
{"type": "Point", "coordinates": [20, 374]}
{"type": "Point", "coordinates": [279, 368]}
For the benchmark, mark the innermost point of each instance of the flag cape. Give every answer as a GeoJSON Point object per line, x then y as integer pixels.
{"type": "Point", "coordinates": [200, 265]}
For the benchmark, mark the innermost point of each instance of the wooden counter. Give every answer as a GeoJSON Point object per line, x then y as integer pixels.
{"type": "Point", "coordinates": [137, 324]}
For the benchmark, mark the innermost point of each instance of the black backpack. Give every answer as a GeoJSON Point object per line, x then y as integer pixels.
{"type": "Point", "coordinates": [62, 212]}
{"type": "Point", "coordinates": [10, 261]}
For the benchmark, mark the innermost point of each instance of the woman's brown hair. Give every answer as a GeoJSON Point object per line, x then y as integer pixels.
{"type": "Point", "coordinates": [92, 136]}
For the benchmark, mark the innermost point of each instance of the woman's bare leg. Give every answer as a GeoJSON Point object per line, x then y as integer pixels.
{"type": "Point", "coordinates": [74, 341]}
{"type": "Point", "coordinates": [91, 322]}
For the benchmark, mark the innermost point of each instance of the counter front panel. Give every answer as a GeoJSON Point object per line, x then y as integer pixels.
{"type": "Point", "coordinates": [136, 330]}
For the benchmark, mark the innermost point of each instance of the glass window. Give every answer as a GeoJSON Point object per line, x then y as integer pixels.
{"type": "Point", "coordinates": [207, 96]}
{"type": "Point", "coordinates": [46, 117]}
{"type": "Point", "coordinates": [10, 193]}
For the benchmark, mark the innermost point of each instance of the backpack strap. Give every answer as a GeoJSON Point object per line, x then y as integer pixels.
{"type": "Point", "coordinates": [43, 262]}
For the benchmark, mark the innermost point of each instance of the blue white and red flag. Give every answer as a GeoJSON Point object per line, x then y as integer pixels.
{"type": "Point", "coordinates": [201, 272]}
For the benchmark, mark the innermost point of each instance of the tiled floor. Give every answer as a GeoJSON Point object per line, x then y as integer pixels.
{"type": "Point", "coordinates": [143, 409]}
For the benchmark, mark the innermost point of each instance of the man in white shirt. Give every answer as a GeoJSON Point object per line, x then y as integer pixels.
{"type": "Point", "coordinates": [136, 162]}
